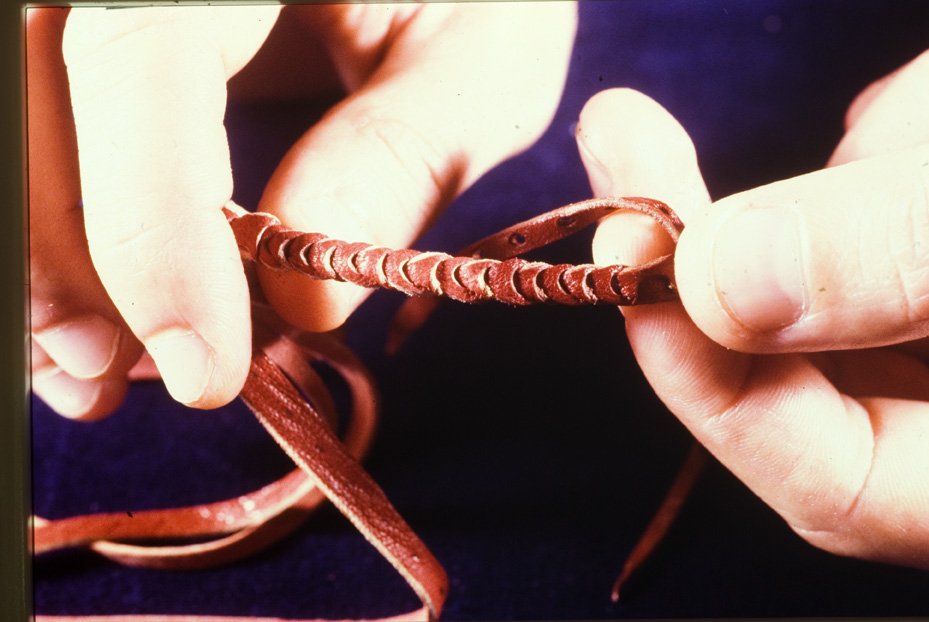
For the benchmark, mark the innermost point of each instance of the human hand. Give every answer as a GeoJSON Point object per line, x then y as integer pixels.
{"type": "Point", "coordinates": [797, 354]}
{"type": "Point", "coordinates": [438, 94]}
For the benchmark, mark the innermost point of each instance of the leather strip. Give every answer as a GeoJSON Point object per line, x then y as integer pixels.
{"type": "Point", "coordinates": [241, 518]}
{"type": "Point", "coordinates": [487, 270]}
{"type": "Point", "coordinates": [663, 518]}
{"type": "Point", "coordinates": [249, 522]}
{"type": "Point", "coordinates": [312, 445]}
{"type": "Point", "coordinates": [326, 467]}
{"type": "Point", "coordinates": [316, 450]}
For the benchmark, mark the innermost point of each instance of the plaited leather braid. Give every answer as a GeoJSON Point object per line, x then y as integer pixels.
{"type": "Point", "coordinates": [488, 270]}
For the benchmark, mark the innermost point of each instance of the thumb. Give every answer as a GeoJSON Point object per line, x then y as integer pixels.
{"type": "Point", "coordinates": [834, 259]}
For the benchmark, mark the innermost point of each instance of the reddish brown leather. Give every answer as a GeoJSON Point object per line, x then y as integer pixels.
{"type": "Point", "coordinates": [487, 270]}
{"type": "Point", "coordinates": [327, 467]}
{"type": "Point", "coordinates": [644, 284]}
{"type": "Point", "coordinates": [663, 518]}
{"type": "Point", "coordinates": [312, 445]}
{"type": "Point", "coordinates": [250, 522]}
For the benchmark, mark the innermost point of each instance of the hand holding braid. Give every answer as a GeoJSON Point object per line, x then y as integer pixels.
{"type": "Point", "coordinates": [328, 466]}
{"type": "Point", "coordinates": [797, 356]}
{"type": "Point", "coordinates": [129, 163]}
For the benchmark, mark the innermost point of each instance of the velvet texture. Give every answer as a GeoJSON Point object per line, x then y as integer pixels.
{"type": "Point", "coordinates": [522, 444]}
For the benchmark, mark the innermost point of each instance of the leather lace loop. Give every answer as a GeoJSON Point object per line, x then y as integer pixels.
{"type": "Point", "coordinates": [487, 270]}
{"type": "Point", "coordinates": [292, 402]}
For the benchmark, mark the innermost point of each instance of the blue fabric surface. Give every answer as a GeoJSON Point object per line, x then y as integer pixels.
{"type": "Point", "coordinates": [534, 480]}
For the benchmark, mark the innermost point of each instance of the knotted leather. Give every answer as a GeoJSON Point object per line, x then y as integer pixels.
{"type": "Point", "coordinates": [302, 419]}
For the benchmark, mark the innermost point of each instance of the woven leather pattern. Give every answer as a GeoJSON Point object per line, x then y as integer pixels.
{"type": "Point", "coordinates": [488, 270]}
{"type": "Point", "coordinates": [328, 467]}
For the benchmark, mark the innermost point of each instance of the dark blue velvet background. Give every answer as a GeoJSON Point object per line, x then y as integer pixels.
{"type": "Point", "coordinates": [523, 445]}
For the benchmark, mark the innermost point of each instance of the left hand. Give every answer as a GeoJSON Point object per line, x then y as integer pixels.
{"type": "Point", "coordinates": [129, 166]}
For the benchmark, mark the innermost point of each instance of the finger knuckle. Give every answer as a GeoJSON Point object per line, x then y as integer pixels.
{"type": "Point", "coordinates": [911, 256]}
{"type": "Point", "coordinates": [416, 170]}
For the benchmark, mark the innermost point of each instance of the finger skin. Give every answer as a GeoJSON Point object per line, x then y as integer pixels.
{"type": "Point", "coordinates": [620, 162]}
{"type": "Point", "coordinates": [442, 92]}
{"type": "Point", "coordinates": [147, 89]}
{"type": "Point", "coordinates": [889, 115]}
{"type": "Point", "coordinates": [831, 260]}
{"type": "Point", "coordinates": [842, 460]}
{"type": "Point", "coordinates": [846, 474]}
{"type": "Point", "coordinates": [86, 348]}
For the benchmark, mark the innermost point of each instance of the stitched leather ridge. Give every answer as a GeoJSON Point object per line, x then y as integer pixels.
{"type": "Point", "coordinates": [487, 270]}
{"type": "Point", "coordinates": [644, 284]}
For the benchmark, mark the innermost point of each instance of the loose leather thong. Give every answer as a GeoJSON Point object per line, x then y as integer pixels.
{"type": "Point", "coordinates": [293, 403]}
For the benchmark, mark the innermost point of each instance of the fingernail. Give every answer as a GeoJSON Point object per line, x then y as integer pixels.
{"type": "Point", "coordinates": [185, 361]}
{"type": "Point", "coordinates": [84, 348]}
{"type": "Point", "coordinates": [601, 182]}
{"type": "Point", "coordinates": [68, 396]}
{"type": "Point", "coordinates": [758, 268]}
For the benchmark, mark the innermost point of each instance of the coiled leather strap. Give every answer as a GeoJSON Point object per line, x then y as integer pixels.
{"type": "Point", "coordinates": [328, 467]}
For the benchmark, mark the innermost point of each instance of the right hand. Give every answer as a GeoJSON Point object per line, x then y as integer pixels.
{"type": "Point", "coordinates": [798, 354]}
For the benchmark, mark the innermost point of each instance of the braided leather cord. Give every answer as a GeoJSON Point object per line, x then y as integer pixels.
{"type": "Point", "coordinates": [488, 270]}
{"type": "Point", "coordinates": [328, 468]}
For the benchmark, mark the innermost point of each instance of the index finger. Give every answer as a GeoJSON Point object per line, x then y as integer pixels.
{"type": "Point", "coordinates": [831, 260]}
{"type": "Point", "coordinates": [455, 90]}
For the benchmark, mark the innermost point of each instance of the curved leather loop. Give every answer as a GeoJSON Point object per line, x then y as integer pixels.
{"type": "Point", "coordinates": [249, 522]}
{"type": "Point", "coordinates": [327, 467]}
{"type": "Point", "coordinates": [292, 402]}
{"type": "Point", "coordinates": [644, 284]}
{"type": "Point", "coordinates": [495, 270]}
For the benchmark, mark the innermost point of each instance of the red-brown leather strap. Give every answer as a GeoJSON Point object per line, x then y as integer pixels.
{"type": "Point", "coordinates": [663, 518]}
{"type": "Point", "coordinates": [316, 450]}
{"type": "Point", "coordinates": [313, 446]}
{"type": "Point", "coordinates": [487, 270]}
{"type": "Point", "coordinates": [645, 284]}
{"type": "Point", "coordinates": [247, 523]}
{"type": "Point", "coordinates": [252, 521]}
